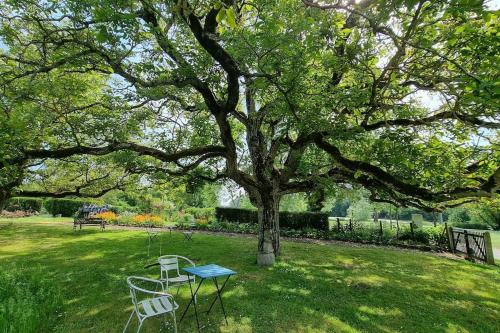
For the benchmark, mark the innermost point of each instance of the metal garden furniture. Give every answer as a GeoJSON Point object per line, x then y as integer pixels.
{"type": "Point", "coordinates": [152, 303]}
{"type": "Point", "coordinates": [211, 271]}
{"type": "Point", "coordinates": [152, 235]}
{"type": "Point", "coordinates": [170, 274]}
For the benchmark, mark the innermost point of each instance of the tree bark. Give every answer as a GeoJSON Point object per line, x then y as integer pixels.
{"type": "Point", "coordinates": [4, 196]}
{"type": "Point", "coordinates": [269, 236]}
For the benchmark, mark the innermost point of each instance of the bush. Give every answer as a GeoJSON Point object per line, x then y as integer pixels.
{"type": "Point", "coordinates": [304, 220]}
{"type": "Point", "coordinates": [458, 215]}
{"type": "Point", "coordinates": [126, 218]}
{"type": "Point", "coordinates": [287, 220]}
{"type": "Point", "coordinates": [66, 207]}
{"type": "Point", "coordinates": [24, 204]}
{"type": "Point", "coordinates": [201, 214]}
{"type": "Point", "coordinates": [469, 225]}
{"type": "Point", "coordinates": [14, 214]}
{"type": "Point", "coordinates": [183, 219]}
{"type": "Point", "coordinates": [30, 302]}
{"type": "Point", "coordinates": [236, 215]}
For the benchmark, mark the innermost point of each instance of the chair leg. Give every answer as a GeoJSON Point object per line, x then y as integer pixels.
{"type": "Point", "coordinates": [129, 320]}
{"type": "Point", "coordinates": [175, 322]}
{"type": "Point", "coordinates": [140, 325]}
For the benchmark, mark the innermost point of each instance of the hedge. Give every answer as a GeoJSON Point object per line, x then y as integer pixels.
{"type": "Point", "coordinates": [287, 220]}
{"type": "Point", "coordinates": [470, 225]}
{"type": "Point", "coordinates": [66, 207]}
{"type": "Point", "coordinates": [24, 204]}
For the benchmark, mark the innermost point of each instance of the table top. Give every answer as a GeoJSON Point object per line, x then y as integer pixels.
{"type": "Point", "coordinates": [209, 271]}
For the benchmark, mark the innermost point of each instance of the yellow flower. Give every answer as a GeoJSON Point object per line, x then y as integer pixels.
{"type": "Point", "coordinates": [107, 216]}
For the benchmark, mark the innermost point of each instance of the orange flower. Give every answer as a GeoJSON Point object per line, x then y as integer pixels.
{"type": "Point", "coordinates": [141, 219]}
{"type": "Point", "coordinates": [107, 216]}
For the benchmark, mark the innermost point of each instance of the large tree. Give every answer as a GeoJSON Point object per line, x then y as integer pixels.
{"type": "Point", "coordinates": [285, 96]}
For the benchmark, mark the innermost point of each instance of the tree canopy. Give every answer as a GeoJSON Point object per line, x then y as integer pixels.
{"type": "Point", "coordinates": [400, 97]}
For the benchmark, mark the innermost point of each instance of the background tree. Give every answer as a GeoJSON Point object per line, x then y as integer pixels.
{"type": "Point", "coordinates": [284, 96]}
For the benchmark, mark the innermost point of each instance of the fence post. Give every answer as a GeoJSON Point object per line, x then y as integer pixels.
{"type": "Point", "coordinates": [350, 225]}
{"type": "Point", "coordinates": [490, 259]}
{"type": "Point", "coordinates": [381, 230]}
{"type": "Point", "coordinates": [451, 240]}
{"type": "Point", "coordinates": [397, 229]}
{"type": "Point", "coordinates": [467, 245]}
{"type": "Point", "coordinates": [338, 224]}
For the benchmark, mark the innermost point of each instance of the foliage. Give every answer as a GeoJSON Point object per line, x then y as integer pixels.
{"type": "Point", "coordinates": [288, 97]}
{"type": "Point", "coordinates": [471, 225]}
{"type": "Point", "coordinates": [30, 301]}
{"type": "Point", "coordinates": [293, 203]}
{"type": "Point", "coordinates": [458, 215]}
{"type": "Point", "coordinates": [24, 204]}
{"type": "Point", "coordinates": [201, 214]}
{"type": "Point", "coordinates": [183, 220]}
{"type": "Point", "coordinates": [66, 207]}
{"type": "Point", "coordinates": [486, 212]}
{"type": "Point", "coordinates": [360, 210]}
{"type": "Point", "coordinates": [340, 208]}
{"type": "Point", "coordinates": [288, 220]}
{"type": "Point", "coordinates": [236, 215]}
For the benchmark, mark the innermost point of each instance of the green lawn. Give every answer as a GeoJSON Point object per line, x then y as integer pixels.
{"type": "Point", "coordinates": [313, 288]}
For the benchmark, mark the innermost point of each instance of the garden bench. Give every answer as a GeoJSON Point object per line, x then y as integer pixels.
{"type": "Point", "coordinates": [88, 221]}
{"type": "Point", "coordinates": [86, 216]}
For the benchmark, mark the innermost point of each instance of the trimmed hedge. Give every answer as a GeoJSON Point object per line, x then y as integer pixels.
{"type": "Point", "coordinates": [24, 204]}
{"type": "Point", "coordinates": [236, 215]}
{"type": "Point", "coordinates": [66, 207]}
{"type": "Point", "coordinates": [287, 220]}
{"type": "Point", "coordinates": [470, 225]}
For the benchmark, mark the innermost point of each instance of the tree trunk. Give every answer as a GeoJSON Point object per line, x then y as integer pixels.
{"type": "Point", "coordinates": [4, 196]}
{"type": "Point", "coordinates": [269, 235]}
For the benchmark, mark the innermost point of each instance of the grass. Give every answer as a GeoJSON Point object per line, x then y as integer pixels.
{"type": "Point", "coordinates": [313, 288]}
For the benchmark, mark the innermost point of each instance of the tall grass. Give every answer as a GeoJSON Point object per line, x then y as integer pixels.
{"type": "Point", "coordinates": [29, 302]}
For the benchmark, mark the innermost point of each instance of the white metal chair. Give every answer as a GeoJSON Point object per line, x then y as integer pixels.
{"type": "Point", "coordinates": [161, 303]}
{"type": "Point", "coordinates": [170, 274]}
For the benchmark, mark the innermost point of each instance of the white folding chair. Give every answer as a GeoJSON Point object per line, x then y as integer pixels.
{"type": "Point", "coordinates": [170, 274]}
{"type": "Point", "coordinates": [161, 303]}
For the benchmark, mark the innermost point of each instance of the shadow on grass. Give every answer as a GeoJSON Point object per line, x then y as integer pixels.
{"type": "Point", "coordinates": [312, 288]}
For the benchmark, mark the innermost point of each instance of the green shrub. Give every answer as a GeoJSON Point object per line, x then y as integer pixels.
{"type": "Point", "coordinates": [207, 214]}
{"type": "Point", "coordinates": [236, 215]}
{"type": "Point", "coordinates": [24, 204]}
{"type": "Point", "coordinates": [29, 302]}
{"type": "Point", "coordinates": [126, 218]}
{"type": "Point", "coordinates": [183, 219]}
{"type": "Point", "coordinates": [66, 207]}
{"type": "Point", "coordinates": [470, 225]}
{"type": "Point", "coordinates": [458, 215]}
{"type": "Point", "coordinates": [287, 220]}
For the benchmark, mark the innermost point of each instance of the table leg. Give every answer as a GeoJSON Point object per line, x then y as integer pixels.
{"type": "Point", "coordinates": [193, 295]}
{"type": "Point", "coordinates": [219, 293]}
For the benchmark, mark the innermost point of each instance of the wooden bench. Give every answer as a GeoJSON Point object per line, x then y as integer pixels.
{"type": "Point", "coordinates": [88, 221]}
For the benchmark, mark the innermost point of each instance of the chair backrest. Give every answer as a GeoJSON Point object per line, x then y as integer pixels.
{"type": "Point", "coordinates": [139, 293]}
{"type": "Point", "coordinates": [168, 263]}
{"type": "Point", "coordinates": [134, 289]}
